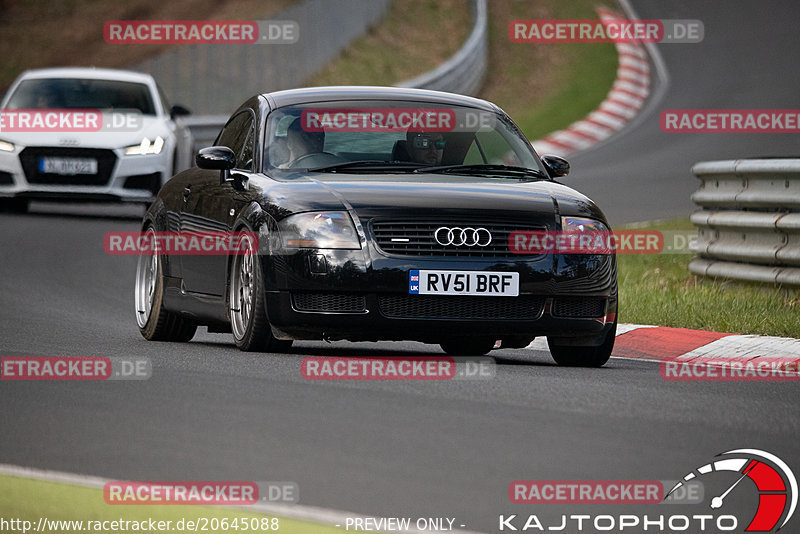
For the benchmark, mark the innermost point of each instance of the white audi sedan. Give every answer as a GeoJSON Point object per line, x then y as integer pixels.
{"type": "Point", "coordinates": [88, 134]}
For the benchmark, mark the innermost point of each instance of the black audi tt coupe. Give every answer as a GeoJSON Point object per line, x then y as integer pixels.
{"type": "Point", "coordinates": [376, 213]}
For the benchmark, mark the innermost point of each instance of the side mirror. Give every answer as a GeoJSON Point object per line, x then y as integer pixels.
{"type": "Point", "coordinates": [219, 158]}
{"type": "Point", "coordinates": [178, 111]}
{"type": "Point", "coordinates": [223, 159]}
{"type": "Point", "coordinates": [556, 167]}
{"type": "Point", "coordinates": [216, 158]}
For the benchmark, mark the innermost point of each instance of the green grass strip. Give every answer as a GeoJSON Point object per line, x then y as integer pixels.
{"type": "Point", "coordinates": [659, 289]}
{"type": "Point", "coordinates": [31, 499]}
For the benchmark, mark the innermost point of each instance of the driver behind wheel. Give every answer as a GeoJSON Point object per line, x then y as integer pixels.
{"type": "Point", "coordinates": [425, 147]}
{"type": "Point", "coordinates": [301, 142]}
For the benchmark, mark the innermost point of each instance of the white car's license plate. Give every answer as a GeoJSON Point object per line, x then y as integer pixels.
{"type": "Point", "coordinates": [478, 283]}
{"type": "Point", "coordinates": [68, 165]}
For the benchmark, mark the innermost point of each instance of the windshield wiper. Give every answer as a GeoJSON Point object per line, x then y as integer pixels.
{"type": "Point", "coordinates": [367, 165]}
{"type": "Point", "coordinates": [484, 168]}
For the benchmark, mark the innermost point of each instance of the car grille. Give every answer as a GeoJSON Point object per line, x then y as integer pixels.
{"type": "Point", "coordinates": [29, 158]}
{"type": "Point", "coordinates": [329, 302]}
{"type": "Point", "coordinates": [460, 307]}
{"type": "Point", "coordinates": [414, 238]}
{"type": "Point", "coordinates": [575, 307]}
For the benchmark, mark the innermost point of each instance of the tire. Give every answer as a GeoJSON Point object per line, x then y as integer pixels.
{"type": "Point", "coordinates": [155, 323]}
{"type": "Point", "coordinates": [576, 356]}
{"type": "Point", "coordinates": [467, 346]}
{"type": "Point", "coordinates": [14, 205]}
{"type": "Point", "coordinates": [174, 168]}
{"type": "Point", "coordinates": [246, 303]}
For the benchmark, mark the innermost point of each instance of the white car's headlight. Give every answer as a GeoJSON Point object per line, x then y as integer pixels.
{"type": "Point", "coordinates": [146, 147]}
{"type": "Point", "coordinates": [319, 229]}
{"type": "Point", "coordinates": [581, 224]}
{"type": "Point", "coordinates": [5, 146]}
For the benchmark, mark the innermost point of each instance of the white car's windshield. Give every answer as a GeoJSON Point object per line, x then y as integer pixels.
{"type": "Point", "coordinates": [332, 134]}
{"type": "Point", "coordinates": [77, 93]}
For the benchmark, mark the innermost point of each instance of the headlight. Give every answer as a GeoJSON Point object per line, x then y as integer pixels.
{"type": "Point", "coordinates": [5, 146]}
{"type": "Point", "coordinates": [146, 147]}
{"type": "Point", "coordinates": [319, 229]}
{"type": "Point", "coordinates": [580, 224]}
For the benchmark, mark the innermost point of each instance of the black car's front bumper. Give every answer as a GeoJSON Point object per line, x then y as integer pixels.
{"type": "Point", "coordinates": [362, 295]}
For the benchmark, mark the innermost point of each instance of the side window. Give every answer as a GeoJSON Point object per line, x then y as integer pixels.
{"type": "Point", "coordinates": [238, 136]}
{"type": "Point", "coordinates": [474, 154]}
{"type": "Point", "coordinates": [491, 147]}
{"type": "Point", "coordinates": [164, 102]}
{"type": "Point", "coordinates": [244, 160]}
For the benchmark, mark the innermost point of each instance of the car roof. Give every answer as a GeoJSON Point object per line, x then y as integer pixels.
{"type": "Point", "coordinates": [91, 73]}
{"type": "Point", "coordinates": [307, 95]}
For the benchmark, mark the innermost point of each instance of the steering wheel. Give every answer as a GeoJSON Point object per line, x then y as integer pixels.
{"type": "Point", "coordinates": [318, 158]}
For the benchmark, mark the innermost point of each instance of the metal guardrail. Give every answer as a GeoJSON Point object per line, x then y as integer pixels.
{"type": "Point", "coordinates": [749, 224]}
{"type": "Point", "coordinates": [464, 71]}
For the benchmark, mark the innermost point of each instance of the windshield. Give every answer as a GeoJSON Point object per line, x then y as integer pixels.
{"type": "Point", "coordinates": [395, 136]}
{"type": "Point", "coordinates": [77, 93]}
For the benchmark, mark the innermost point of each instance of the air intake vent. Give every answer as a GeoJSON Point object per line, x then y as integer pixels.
{"type": "Point", "coordinates": [329, 302]}
{"type": "Point", "coordinates": [577, 307]}
{"type": "Point", "coordinates": [460, 307]}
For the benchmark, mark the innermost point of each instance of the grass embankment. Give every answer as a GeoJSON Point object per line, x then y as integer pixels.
{"type": "Point", "coordinates": [544, 87]}
{"type": "Point", "coordinates": [659, 289]}
{"type": "Point", "coordinates": [413, 37]}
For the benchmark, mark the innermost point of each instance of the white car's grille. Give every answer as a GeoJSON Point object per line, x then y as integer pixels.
{"type": "Point", "coordinates": [31, 156]}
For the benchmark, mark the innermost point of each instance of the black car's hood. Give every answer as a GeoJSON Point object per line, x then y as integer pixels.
{"type": "Point", "coordinates": [431, 196]}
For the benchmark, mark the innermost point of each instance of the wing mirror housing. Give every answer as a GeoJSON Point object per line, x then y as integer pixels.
{"type": "Point", "coordinates": [556, 167]}
{"type": "Point", "coordinates": [216, 158]}
{"type": "Point", "coordinates": [219, 158]}
{"type": "Point", "coordinates": [178, 111]}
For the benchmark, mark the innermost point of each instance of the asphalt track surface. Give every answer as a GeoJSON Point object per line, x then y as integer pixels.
{"type": "Point", "coordinates": [211, 412]}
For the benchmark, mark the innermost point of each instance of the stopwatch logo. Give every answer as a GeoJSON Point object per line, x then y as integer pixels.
{"type": "Point", "coordinates": [776, 484]}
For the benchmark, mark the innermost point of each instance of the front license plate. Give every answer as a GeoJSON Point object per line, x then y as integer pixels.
{"type": "Point", "coordinates": [68, 166]}
{"type": "Point", "coordinates": [477, 283]}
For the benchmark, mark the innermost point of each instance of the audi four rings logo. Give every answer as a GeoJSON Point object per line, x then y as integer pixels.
{"type": "Point", "coordinates": [469, 237]}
